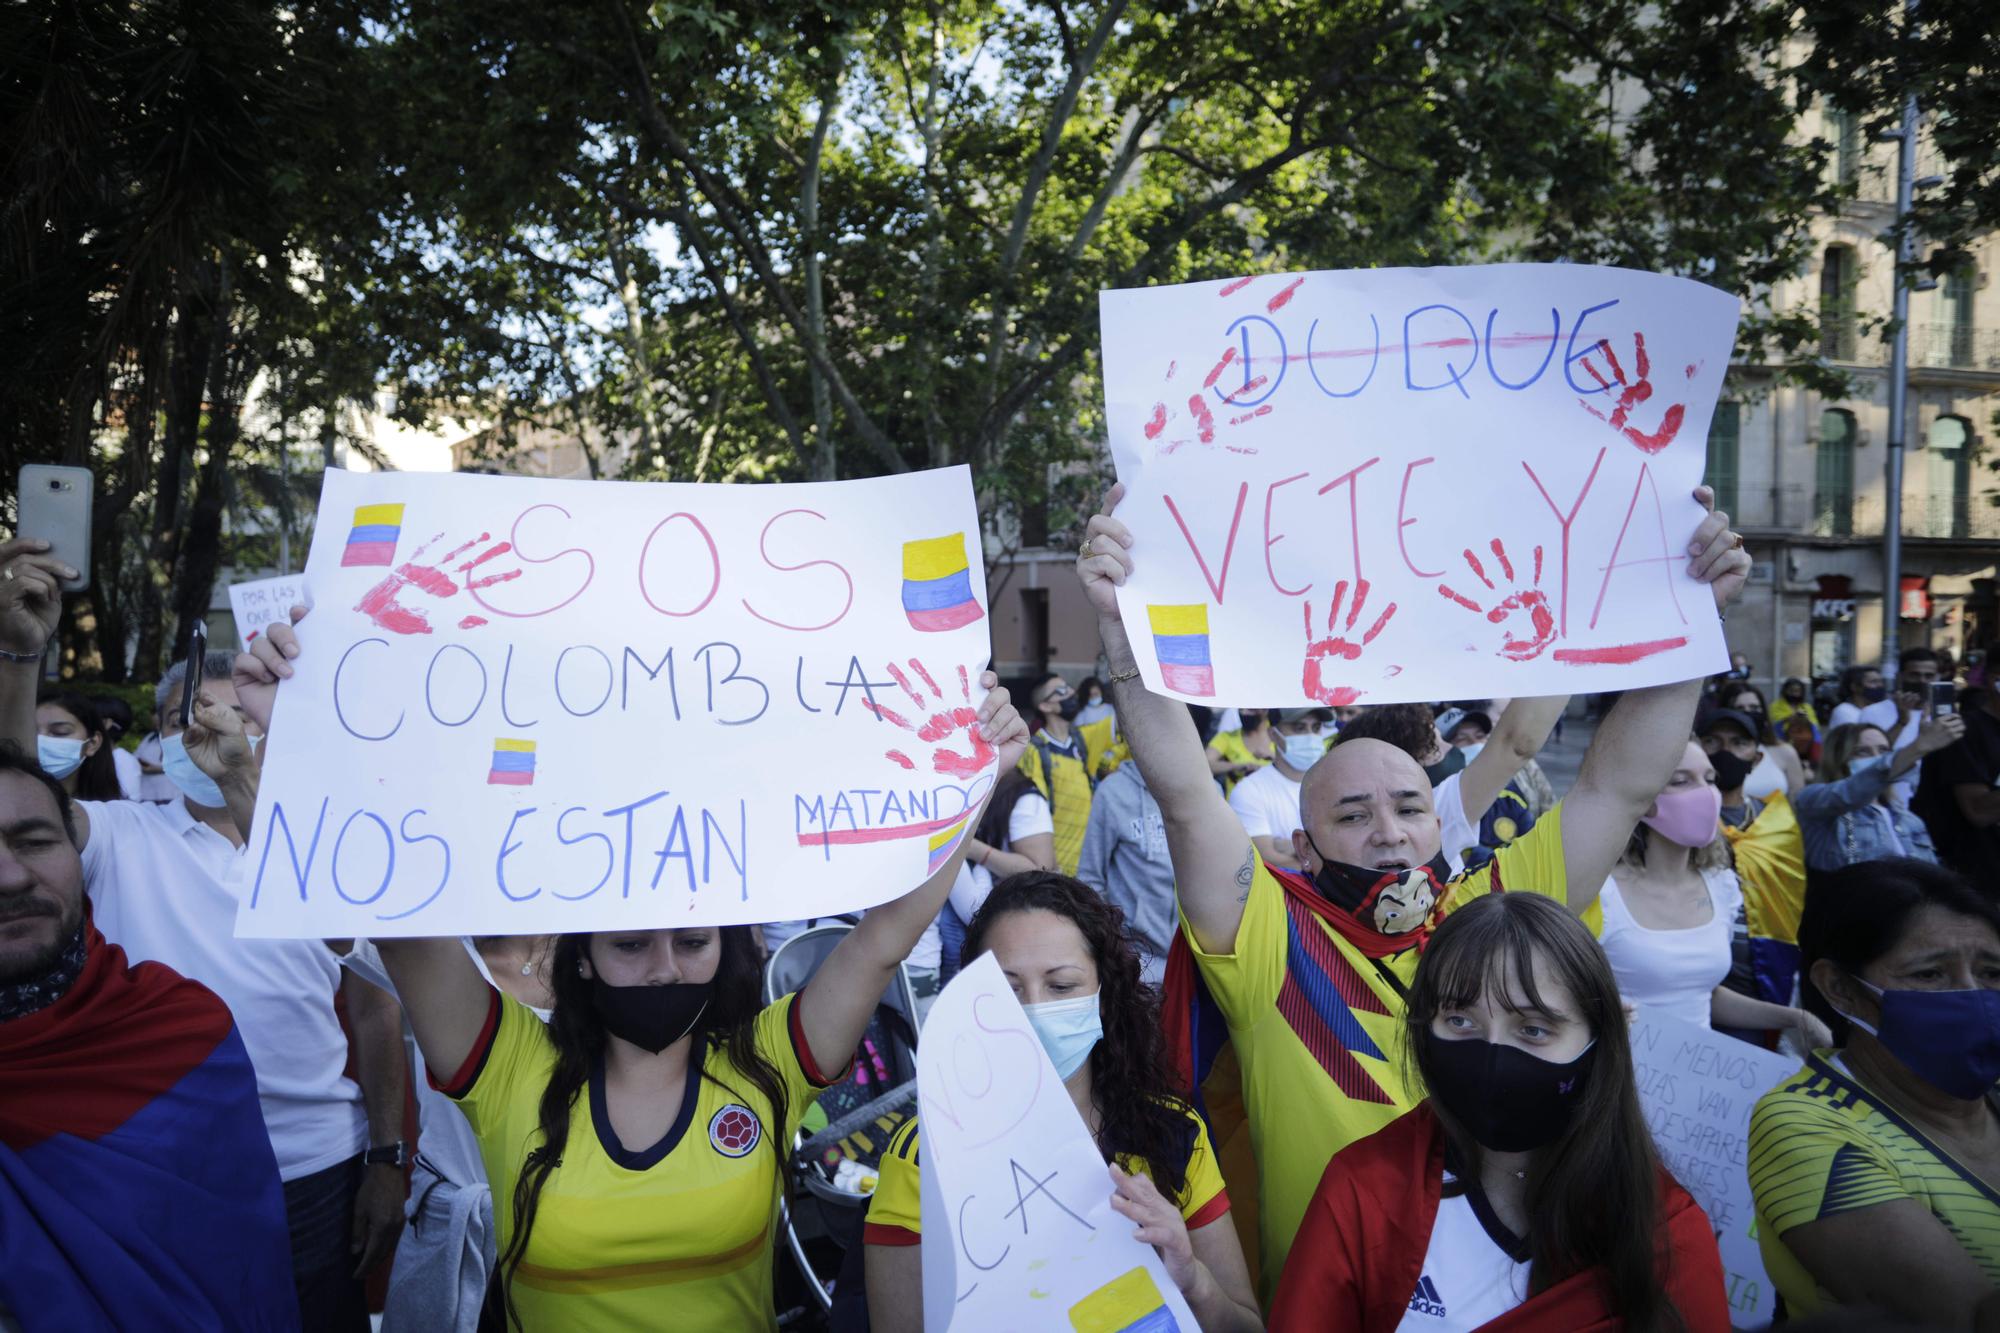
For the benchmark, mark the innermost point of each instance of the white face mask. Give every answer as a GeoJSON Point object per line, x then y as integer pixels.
{"type": "Point", "coordinates": [1471, 752]}
{"type": "Point", "coordinates": [59, 756]}
{"type": "Point", "coordinates": [1304, 749]}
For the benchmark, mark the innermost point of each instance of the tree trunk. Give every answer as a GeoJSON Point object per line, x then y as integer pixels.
{"type": "Point", "coordinates": [201, 549]}
{"type": "Point", "coordinates": [194, 333]}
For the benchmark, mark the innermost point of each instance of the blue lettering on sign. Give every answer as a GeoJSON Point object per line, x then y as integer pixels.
{"type": "Point", "coordinates": [506, 673]}
{"type": "Point", "coordinates": [1241, 329]}
{"type": "Point", "coordinates": [388, 867]}
{"type": "Point", "coordinates": [507, 847]}
{"type": "Point", "coordinates": [608, 675]}
{"type": "Point", "coordinates": [706, 653]}
{"type": "Point", "coordinates": [1454, 376]}
{"type": "Point", "coordinates": [340, 713]}
{"type": "Point", "coordinates": [1555, 331]}
{"type": "Point", "coordinates": [271, 829]}
{"type": "Point", "coordinates": [610, 855]}
{"type": "Point", "coordinates": [444, 875]}
{"type": "Point", "coordinates": [431, 703]}
{"type": "Point", "coordinates": [1571, 356]}
{"type": "Point", "coordinates": [666, 664]}
{"type": "Point", "coordinates": [1374, 360]}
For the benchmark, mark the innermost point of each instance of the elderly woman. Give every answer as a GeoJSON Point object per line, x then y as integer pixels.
{"type": "Point", "coordinates": [1853, 814]}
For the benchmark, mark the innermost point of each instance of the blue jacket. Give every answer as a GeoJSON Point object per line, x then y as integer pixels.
{"type": "Point", "coordinates": [1843, 823]}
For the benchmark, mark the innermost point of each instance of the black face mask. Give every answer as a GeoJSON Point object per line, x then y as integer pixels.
{"type": "Point", "coordinates": [1730, 771]}
{"type": "Point", "coordinates": [650, 1017]}
{"type": "Point", "coordinates": [1393, 902]}
{"type": "Point", "coordinates": [1507, 1099]}
{"type": "Point", "coordinates": [1070, 708]}
{"type": "Point", "coordinates": [1453, 760]}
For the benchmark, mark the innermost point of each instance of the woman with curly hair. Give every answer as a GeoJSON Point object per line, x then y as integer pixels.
{"type": "Point", "coordinates": [1075, 969]}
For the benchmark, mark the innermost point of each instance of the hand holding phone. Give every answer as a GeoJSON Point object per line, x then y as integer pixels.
{"type": "Point", "coordinates": [1944, 698]}
{"type": "Point", "coordinates": [191, 681]}
{"type": "Point", "coordinates": [54, 505]}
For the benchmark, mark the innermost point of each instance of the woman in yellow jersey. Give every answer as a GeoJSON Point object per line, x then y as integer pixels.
{"type": "Point", "coordinates": [1235, 755]}
{"type": "Point", "coordinates": [1876, 1168]}
{"type": "Point", "coordinates": [1075, 970]}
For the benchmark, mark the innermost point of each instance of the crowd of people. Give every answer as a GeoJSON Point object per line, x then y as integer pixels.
{"type": "Point", "coordinates": [1343, 994]}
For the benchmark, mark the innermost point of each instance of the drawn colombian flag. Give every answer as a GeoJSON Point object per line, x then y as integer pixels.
{"type": "Point", "coordinates": [945, 840]}
{"type": "Point", "coordinates": [1130, 1303]}
{"type": "Point", "coordinates": [372, 540]}
{"type": "Point", "coordinates": [937, 584]}
{"type": "Point", "coordinates": [513, 763]}
{"type": "Point", "coordinates": [1180, 641]}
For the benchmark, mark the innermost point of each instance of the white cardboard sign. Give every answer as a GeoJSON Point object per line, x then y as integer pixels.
{"type": "Point", "coordinates": [528, 706]}
{"type": "Point", "coordinates": [259, 603]}
{"type": "Point", "coordinates": [1409, 484]}
{"type": "Point", "coordinates": [1019, 1232]}
{"type": "Point", "coordinates": [1698, 1088]}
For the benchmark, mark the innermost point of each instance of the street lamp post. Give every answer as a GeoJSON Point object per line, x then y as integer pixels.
{"type": "Point", "coordinates": [1899, 365]}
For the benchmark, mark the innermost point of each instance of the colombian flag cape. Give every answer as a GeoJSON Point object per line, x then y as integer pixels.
{"type": "Point", "coordinates": [137, 1184]}
{"type": "Point", "coordinates": [1771, 863]}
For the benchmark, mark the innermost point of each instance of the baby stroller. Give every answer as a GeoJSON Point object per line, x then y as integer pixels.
{"type": "Point", "coordinates": [822, 1218]}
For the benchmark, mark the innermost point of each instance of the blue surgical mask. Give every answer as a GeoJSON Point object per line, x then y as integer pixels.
{"type": "Point", "coordinates": [1471, 752]}
{"type": "Point", "coordinates": [1069, 1030]}
{"type": "Point", "coordinates": [59, 756]}
{"type": "Point", "coordinates": [1304, 749]}
{"type": "Point", "coordinates": [1948, 1038]}
{"type": "Point", "coordinates": [1872, 762]}
{"type": "Point", "coordinates": [184, 773]}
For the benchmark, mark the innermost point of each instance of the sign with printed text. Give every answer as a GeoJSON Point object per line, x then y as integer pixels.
{"type": "Point", "coordinates": [1018, 1226]}
{"type": "Point", "coordinates": [1413, 484]}
{"type": "Point", "coordinates": [259, 603]}
{"type": "Point", "coordinates": [526, 706]}
{"type": "Point", "coordinates": [1698, 1088]}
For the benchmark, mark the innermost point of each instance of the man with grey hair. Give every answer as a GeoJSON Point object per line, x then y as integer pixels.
{"type": "Point", "coordinates": [159, 885]}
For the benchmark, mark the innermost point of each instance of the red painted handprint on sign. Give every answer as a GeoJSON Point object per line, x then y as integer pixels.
{"type": "Point", "coordinates": [1338, 646]}
{"type": "Point", "coordinates": [944, 723]}
{"type": "Point", "coordinates": [383, 602]}
{"type": "Point", "coordinates": [1630, 395]}
{"type": "Point", "coordinates": [1531, 602]}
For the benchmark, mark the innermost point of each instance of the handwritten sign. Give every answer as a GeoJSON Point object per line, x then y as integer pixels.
{"type": "Point", "coordinates": [257, 603]}
{"type": "Point", "coordinates": [1407, 484]}
{"type": "Point", "coordinates": [1018, 1226]}
{"type": "Point", "coordinates": [526, 706]}
{"type": "Point", "coordinates": [1698, 1089]}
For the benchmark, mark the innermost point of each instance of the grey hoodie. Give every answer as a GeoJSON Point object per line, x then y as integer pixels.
{"type": "Point", "coordinates": [1125, 859]}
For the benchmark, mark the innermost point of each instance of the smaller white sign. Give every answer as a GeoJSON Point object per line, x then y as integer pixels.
{"type": "Point", "coordinates": [1018, 1226]}
{"type": "Point", "coordinates": [260, 603]}
{"type": "Point", "coordinates": [1698, 1088]}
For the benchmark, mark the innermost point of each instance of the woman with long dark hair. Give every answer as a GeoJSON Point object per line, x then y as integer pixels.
{"type": "Point", "coordinates": [1523, 1192]}
{"type": "Point", "coordinates": [72, 747]}
{"type": "Point", "coordinates": [1075, 968]}
{"type": "Point", "coordinates": [636, 1143]}
{"type": "Point", "coordinates": [1778, 768]}
{"type": "Point", "coordinates": [1876, 1168]}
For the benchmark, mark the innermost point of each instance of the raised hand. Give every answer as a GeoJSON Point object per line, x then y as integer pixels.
{"type": "Point", "coordinates": [1534, 625]}
{"type": "Point", "coordinates": [259, 669]}
{"type": "Point", "coordinates": [30, 594]}
{"type": "Point", "coordinates": [964, 740]}
{"type": "Point", "coordinates": [383, 603]}
{"type": "Point", "coordinates": [216, 741]}
{"type": "Point", "coordinates": [1939, 732]}
{"type": "Point", "coordinates": [1104, 561]}
{"type": "Point", "coordinates": [1338, 645]}
{"type": "Point", "coordinates": [1631, 395]}
{"type": "Point", "coordinates": [1716, 555]}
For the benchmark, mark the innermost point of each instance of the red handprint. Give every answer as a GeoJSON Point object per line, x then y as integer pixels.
{"type": "Point", "coordinates": [1336, 644]}
{"type": "Point", "coordinates": [1631, 395]}
{"type": "Point", "coordinates": [383, 604]}
{"type": "Point", "coordinates": [940, 725]}
{"type": "Point", "coordinates": [1530, 599]}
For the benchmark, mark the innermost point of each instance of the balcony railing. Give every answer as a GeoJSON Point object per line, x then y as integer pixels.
{"type": "Point", "coordinates": [1960, 346]}
{"type": "Point", "coordinates": [1964, 518]}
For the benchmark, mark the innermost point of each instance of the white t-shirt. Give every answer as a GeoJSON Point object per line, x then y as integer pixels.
{"type": "Point", "coordinates": [1268, 804]}
{"type": "Point", "coordinates": [1456, 833]}
{"type": "Point", "coordinates": [154, 786]}
{"type": "Point", "coordinates": [1673, 972]}
{"type": "Point", "coordinates": [161, 888]}
{"type": "Point", "coordinates": [1030, 815]}
{"type": "Point", "coordinates": [130, 776]}
{"type": "Point", "coordinates": [1766, 780]}
{"type": "Point", "coordinates": [1467, 1279]}
{"type": "Point", "coordinates": [1881, 713]}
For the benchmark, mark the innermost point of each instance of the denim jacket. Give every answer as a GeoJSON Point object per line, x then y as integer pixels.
{"type": "Point", "coordinates": [1842, 822]}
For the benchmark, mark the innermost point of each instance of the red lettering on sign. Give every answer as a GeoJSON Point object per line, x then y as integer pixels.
{"type": "Point", "coordinates": [1664, 559]}
{"type": "Point", "coordinates": [1347, 479]}
{"type": "Point", "coordinates": [1565, 519]}
{"type": "Point", "coordinates": [1404, 521]}
{"type": "Point", "coordinates": [1270, 541]}
{"type": "Point", "coordinates": [1215, 584]}
{"type": "Point", "coordinates": [791, 569]}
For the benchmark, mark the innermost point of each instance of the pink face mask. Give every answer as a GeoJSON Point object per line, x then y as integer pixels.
{"type": "Point", "coordinates": [1689, 816]}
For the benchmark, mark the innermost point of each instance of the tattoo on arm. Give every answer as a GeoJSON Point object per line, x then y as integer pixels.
{"type": "Point", "coordinates": [1245, 873]}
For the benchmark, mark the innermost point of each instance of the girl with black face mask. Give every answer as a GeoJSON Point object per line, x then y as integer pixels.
{"type": "Point", "coordinates": [1524, 1192]}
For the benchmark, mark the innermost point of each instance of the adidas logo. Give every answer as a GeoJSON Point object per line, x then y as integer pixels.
{"type": "Point", "coordinates": [1426, 1300]}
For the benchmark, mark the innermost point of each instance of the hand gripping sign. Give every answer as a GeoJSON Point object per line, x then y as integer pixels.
{"type": "Point", "coordinates": [1406, 484]}
{"type": "Point", "coordinates": [527, 706]}
{"type": "Point", "coordinates": [1019, 1232]}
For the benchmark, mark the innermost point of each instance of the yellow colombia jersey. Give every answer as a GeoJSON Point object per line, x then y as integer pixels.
{"type": "Point", "coordinates": [1820, 1144]}
{"type": "Point", "coordinates": [1317, 1028]}
{"type": "Point", "coordinates": [893, 1212]}
{"type": "Point", "coordinates": [1229, 744]}
{"type": "Point", "coordinates": [676, 1235]}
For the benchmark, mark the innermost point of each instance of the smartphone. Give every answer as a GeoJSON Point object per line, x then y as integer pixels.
{"type": "Point", "coordinates": [191, 682]}
{"type": "Point", "coordinates": [1944, 698]}
{"type": "Point", "coordinates": [54, 504]}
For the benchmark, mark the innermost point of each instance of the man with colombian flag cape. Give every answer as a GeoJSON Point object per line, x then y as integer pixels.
{"type": "Point", "coordinates": [137, 1184]}
{"type": "Point", "coordinates": [1306, 976]}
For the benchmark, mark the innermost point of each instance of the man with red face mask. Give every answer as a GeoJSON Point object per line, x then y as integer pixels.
{"type": "Point", "coordinates": [1308, 973]}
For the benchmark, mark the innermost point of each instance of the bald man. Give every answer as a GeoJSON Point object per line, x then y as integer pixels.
{"type": "Point", "coordinates": [1310, 970]}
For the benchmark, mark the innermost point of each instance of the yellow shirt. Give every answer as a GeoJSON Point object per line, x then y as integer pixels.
{"type": "Point", "coordinates": [1229, 745]}
{"type": "Point", "coordinates": [1317, 1028]}
{"type": "Point", "coordinates": [1820, 1144]}
{"type": "Point", "coordinates": [893, 1210]}
{"type": "Point", "coordinates": [1067, 784]}
{"type": "Point", "coordinates": [677, 1234]}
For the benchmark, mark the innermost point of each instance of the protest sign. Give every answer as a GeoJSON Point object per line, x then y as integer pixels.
{"type": "Point", "coordinates": [528, 706]}
{"type": "Point", "coordinates": [257, 603]}
{"type": "Point", "coordinates": [1698, 1088]}
{"type": "Point", "coordinates": [1403, 484]}
{"type": "Point", "coordinates": [1018, 1226]}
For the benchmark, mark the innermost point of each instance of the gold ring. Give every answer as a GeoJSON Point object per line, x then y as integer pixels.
{"type": "Point", "coordinates": [1082, 552]}
{"type": "Point", "coordinates": [1736, 544]}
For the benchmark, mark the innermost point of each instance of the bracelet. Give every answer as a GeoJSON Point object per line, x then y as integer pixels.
{"type": "Point", "coordinates": [36, 656]}
{"type": "Point", "coordinates": [1122, 677]}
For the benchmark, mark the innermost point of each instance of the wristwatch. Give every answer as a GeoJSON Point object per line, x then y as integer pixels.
{"type": "Point", "coordinates": [389, 1154]}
